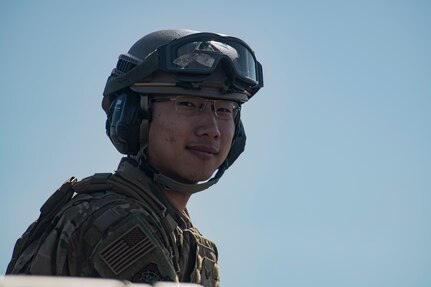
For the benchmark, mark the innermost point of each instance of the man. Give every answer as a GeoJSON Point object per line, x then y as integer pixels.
{"type": "Point", "coordinates": [173, 105]}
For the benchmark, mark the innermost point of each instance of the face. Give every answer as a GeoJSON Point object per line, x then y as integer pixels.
{"type": "Point", "coordinates": [188, 148]}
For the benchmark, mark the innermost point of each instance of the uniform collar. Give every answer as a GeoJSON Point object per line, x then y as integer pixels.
{"type": "Point", "coordinates": [128, 169]}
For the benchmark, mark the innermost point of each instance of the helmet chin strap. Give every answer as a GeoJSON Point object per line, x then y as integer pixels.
{"type": "Point", "coordinates": [171, 184]}
{"type": "Point", "coordinates": [184, 188]}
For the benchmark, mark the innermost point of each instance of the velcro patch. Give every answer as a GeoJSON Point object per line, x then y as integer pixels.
{"type": "Point", "coordinates": [126, 250]}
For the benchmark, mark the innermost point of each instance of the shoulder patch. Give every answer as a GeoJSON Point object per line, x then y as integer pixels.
{"type": "Point", "coordinates": [127, 250]}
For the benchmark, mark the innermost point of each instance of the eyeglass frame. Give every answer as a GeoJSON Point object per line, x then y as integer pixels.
{"type": "Point", "coordinates": [202, 105]}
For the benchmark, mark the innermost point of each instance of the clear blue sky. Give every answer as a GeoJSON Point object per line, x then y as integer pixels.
{"type": "Point", "coordinates": [334, 188]}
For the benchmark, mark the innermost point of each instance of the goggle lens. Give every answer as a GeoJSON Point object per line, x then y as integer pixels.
{"type": "Point", "coordinates": [203, 55]}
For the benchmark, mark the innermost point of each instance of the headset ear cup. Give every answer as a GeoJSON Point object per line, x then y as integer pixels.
{"type": "Point", "coordinates": [238, 144]}
{"type": "Point", "coordinates": [123, 123]}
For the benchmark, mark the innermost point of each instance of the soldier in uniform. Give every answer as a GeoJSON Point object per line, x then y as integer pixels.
{"type": "Point", "coordinates": [173, 107]}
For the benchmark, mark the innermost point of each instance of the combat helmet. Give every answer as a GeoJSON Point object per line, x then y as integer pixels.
{"type": "Point", "coordinates": [184, 62]}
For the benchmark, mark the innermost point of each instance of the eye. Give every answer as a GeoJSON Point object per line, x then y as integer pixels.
{"type": "Point", "coordinates": [224, 110]}
{"type": "Point", "coordinates": [186, 104]}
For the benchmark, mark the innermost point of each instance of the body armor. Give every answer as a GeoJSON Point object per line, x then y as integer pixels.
{"type": "Point", "coordinates": [116, 226]}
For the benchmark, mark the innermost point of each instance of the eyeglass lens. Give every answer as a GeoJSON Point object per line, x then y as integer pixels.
{"type": "Point", "coordinates": [223, 109]}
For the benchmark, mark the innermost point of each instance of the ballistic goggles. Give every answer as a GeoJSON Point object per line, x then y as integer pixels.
{"type": "Point", "coordinates": [192, 58]}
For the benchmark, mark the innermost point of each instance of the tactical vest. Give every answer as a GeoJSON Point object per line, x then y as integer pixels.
{"type": "Point", "coordinates": [159, 239]}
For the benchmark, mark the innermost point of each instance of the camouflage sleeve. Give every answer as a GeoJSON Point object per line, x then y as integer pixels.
{"type": "Point", "coordinates": [127, 242]}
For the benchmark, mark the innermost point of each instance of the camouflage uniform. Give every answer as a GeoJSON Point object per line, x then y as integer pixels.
{"type": "Point", "coordinates": [121, 226]}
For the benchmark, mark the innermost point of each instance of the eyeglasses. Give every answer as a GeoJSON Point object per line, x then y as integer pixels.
{"type": "Point", "coordinates": [190, 106]}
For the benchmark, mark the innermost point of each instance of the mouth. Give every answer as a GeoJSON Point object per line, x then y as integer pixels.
{"type": "Point", "coordinates": [203, 151]}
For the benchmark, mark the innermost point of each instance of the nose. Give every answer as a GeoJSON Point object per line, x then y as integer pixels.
{"type": "Point", "coordinates": [208, 124]}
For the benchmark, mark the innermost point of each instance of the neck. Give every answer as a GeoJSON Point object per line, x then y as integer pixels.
{"type": "Point", "coordinates": [177, 199]}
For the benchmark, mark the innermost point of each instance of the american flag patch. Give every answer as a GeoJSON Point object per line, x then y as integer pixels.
{"type": "Point", "coordinates": [126, 250]}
